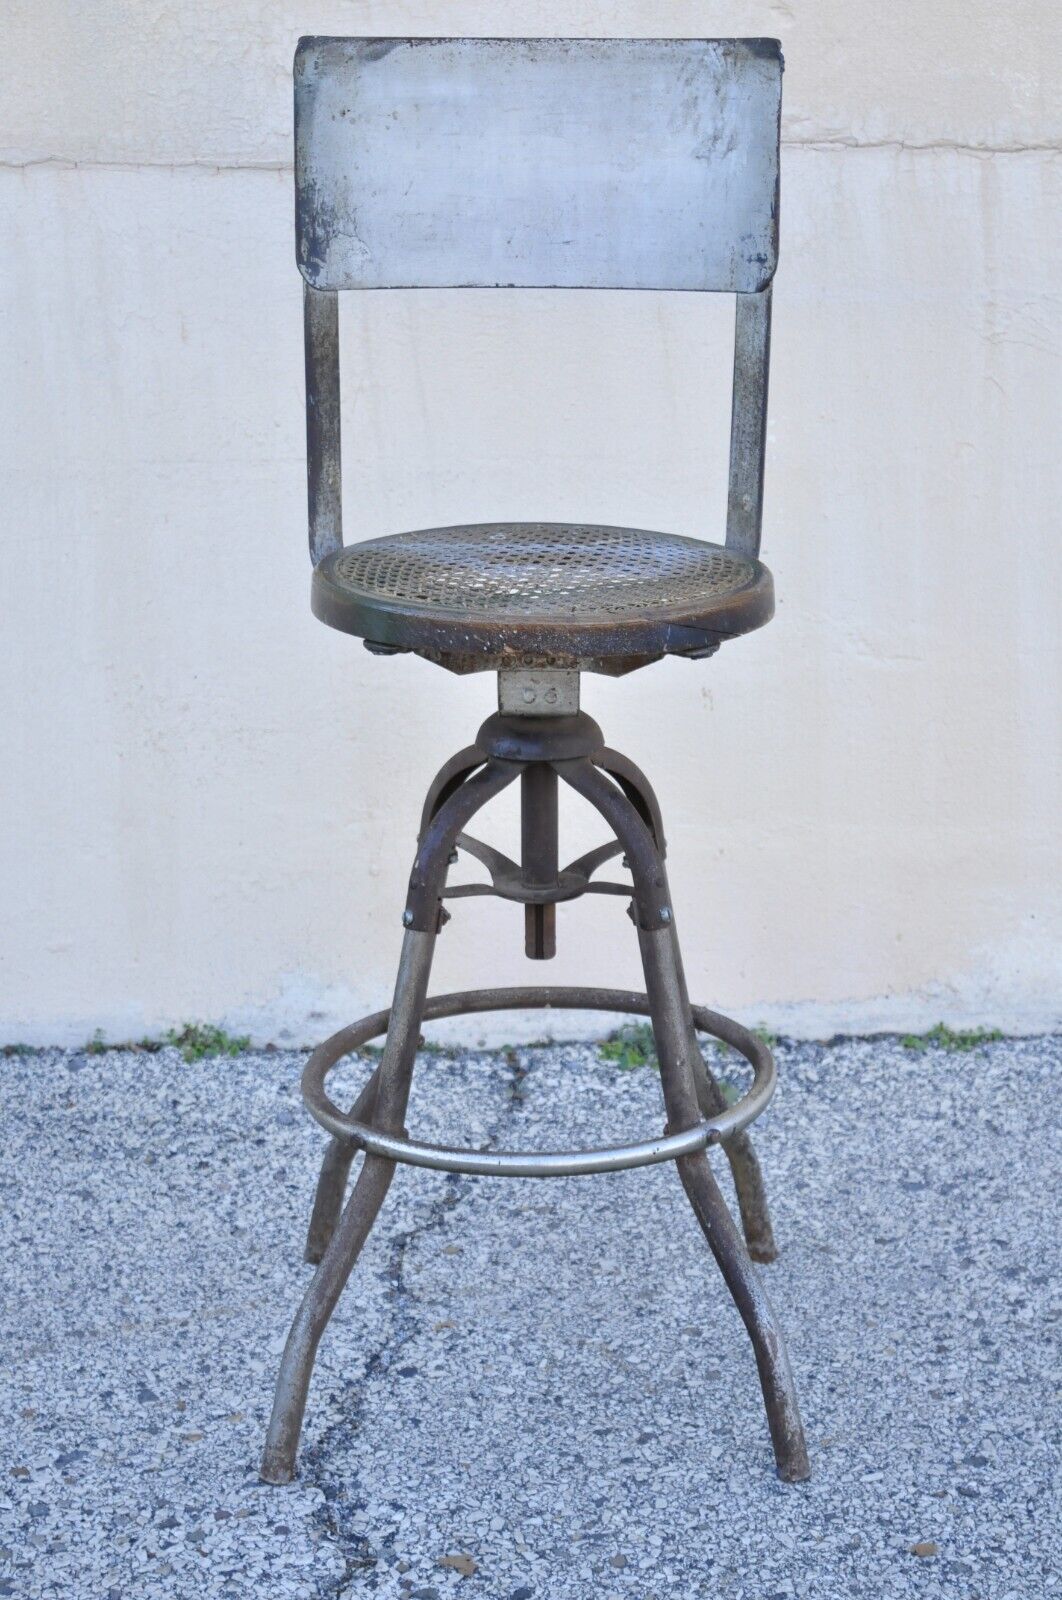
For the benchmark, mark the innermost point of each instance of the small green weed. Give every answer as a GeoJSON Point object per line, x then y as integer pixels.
{"type": "Point", "coordinates": [631, 1046]}
{"type": "Point", "coordinates": [944, 1038]}
{"type": "Point", "coordinates": [197, 1040]}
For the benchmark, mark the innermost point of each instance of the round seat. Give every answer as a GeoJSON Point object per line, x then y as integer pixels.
{"type": "Point", "coordinates": [542, 593]}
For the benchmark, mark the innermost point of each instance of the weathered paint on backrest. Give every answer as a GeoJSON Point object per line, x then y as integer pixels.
{"type": "Point", "coordinates": [567, 163]}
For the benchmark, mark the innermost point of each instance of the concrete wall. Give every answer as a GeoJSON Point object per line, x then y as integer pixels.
{"type": "Point", "coordinates": [210, 799]}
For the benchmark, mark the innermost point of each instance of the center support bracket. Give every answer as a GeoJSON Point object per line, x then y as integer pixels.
{"type": "Point", "coordinates": [538, 691]}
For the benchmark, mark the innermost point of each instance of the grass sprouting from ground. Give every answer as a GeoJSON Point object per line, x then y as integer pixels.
{"type": "Point", "coordinates": [631, 1046]}
{"type": "Point", "coordinates": [197, 1040]}
{"type": "Point", "coordinates": [944, 1038]}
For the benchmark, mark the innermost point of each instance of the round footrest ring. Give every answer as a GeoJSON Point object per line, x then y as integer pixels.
{"type": "Point", "coordinates": [545, 1163]}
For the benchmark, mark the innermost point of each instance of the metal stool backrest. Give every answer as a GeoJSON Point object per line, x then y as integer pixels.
{"type": "Point", "coordinates": [519, 163]}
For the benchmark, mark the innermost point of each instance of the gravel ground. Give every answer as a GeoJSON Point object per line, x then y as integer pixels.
{"type": "Point", "coordinates": [546, 1379]}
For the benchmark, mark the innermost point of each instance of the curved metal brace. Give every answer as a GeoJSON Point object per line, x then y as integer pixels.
{"type": "Point", "coordinates": [637, 788]}
{"type": "Point", "coordinates": [650, 891]}
{"type": "Point", "coordinates": [428, 876]}
{"type": "Point", "coordinates": [588, 864]}
{"type": "Point", "coordinates": [494, 860]}
{"type": "Point", "coordinates": [448, 778]}
{"type": "Point", "coordinates": [544, 1164]}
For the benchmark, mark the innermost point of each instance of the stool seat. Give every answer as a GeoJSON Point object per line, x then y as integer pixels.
{"type": "Point", "coordinates": [545, 592]}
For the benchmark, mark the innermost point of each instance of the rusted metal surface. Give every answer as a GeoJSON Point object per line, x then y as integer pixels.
{"type": "Point", "coordinates": [744, 1169]}
{"type": "Point", "coordinates": [622, 163]}
{"type": "Point", "coordinates": [639, 791]}
{"type": "Point", "coordinates": [676, 1050]}
{"type": "Point", "coordinates": [332, 1183]}
{"type": "Point", "coordinates": [546, 594]}
{"type": "Point", "coordinates": [447, 779]}
{"type": "Point", "coordinates": [540, 738]}
{"type": "Point", "coordinates": [651, 899]}
{"type": "Point", "coordinates": [698, 1116]}
{"type": "Point", "coordinates": [424, 899]}
{"type": "Point", "coordinates": [539, 861]}
{"type": "Point", "coordinates": [343, 1248]}
{"type": "Point", "coordinates": [722, 1125]}
{"type": "Point", "coordinates": [324, 468]}
{"type": "Point", "coordinates": [748, 422]}
{"type": "Point", "coordinates": [569, 163]}
{"type": "Point", "coordinates": [545, 692]}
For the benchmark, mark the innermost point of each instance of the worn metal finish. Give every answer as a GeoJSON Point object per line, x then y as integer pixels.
{"type": "Point", "coordinates": [324, 469]}
{"type": "Point", "coordinates": [638, 789]}
{"type": "Point", "coordinates": [449, 777]}
{"type": "Point", "coordinates": [359, 1214]}
{"type": "Point", "coordinates": [509, 881]}
{"type": "Point", "coordinates": [722, 1125]}
{"type": "Point", "coordinates": [748, 422]}
{"type": "Point", "coordinates": [539, 861]}
{"type": "Point", "coordinates": [557, 594]}
{"type": "Point", "coordinates": [508, 738]}
{"type": "Point", "coordinates": [541, 692]}
{"type": "Point", "coordinates": [651, 895]}
{"type": "Point", "coordinates": [615, 163]}
{"type": "Point", "coordinates": [538, 750]}
{"type": "Point", "coordinates": [332, 1183]}
{"type": "Point", "coordinates": [424, 897]}
{"type": "Point", "coordinates": [537, 163]}
{"type": "Point", "coordinates": [744, 1169]}
{"type": "Point", "coordinates": [568, 163]}
{"type": "Point", "coordinates": [676, 1048]}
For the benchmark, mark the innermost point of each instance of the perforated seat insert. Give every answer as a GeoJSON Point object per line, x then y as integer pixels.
{"type": "Point", "coordinates": [530, 570]}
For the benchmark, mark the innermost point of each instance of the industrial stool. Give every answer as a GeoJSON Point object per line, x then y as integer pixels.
{"type": "Point", "coordinates": [564, 163]}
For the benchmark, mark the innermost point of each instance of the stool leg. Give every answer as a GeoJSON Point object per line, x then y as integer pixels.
{"type": "Point", "coordinates": [453, 794]}
{"type": "Point", "coordinates": [676, 1048]}
{"type": "Point", "coordinates": [359, 1214]}
{"type": "Point", "coordinates": [677, 1051]}
{"type": "Point", "coordinates": [332, 1184]}
{"type": "Point", "coordinates": [744, 1168]}
{"type": "Point", "coordinates": [390, 1089]}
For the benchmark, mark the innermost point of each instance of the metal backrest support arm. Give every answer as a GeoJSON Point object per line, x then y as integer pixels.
{"type": "Point", "coordinates": [323, 460]}
{"type": "Point", "coordinates": [748, 421]}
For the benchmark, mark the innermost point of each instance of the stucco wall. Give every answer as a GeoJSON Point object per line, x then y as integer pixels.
{"type": "Point", "coordinates": [210, 799]}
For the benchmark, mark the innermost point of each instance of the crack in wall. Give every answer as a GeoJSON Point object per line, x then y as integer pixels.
{"type": "Point", "coordinates": [826, 144]}
{"type": "Point", "coordinates": [343, 1497]}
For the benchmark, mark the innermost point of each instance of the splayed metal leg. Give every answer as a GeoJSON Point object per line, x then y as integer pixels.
{"type": "Point", "coordinates": [676, 1048]}
{"type": "Point", "coordinates": [744, 1169]}
{"type": "Point", "coordinates": [680, 1059]}
{"type": "Point", "coordinates": [332, 1184]}
{"type": "Point", "coordinates": [359, 1214]}
{"type": "Point", "coordinates": [388, 1094]}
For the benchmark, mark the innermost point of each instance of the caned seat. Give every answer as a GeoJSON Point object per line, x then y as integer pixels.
{"type": "Point", "coordinates": [546, 591]}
